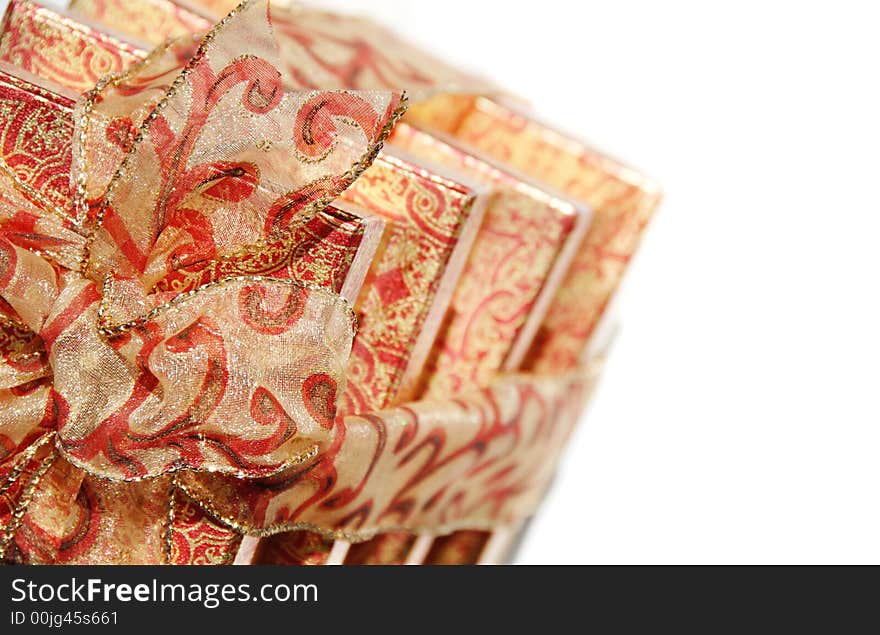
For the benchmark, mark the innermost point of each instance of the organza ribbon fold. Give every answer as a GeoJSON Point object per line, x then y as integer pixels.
{"type": "Point", "coordinates": [481, 460]}
{"type": "Point", "coordinates": [143, 331]}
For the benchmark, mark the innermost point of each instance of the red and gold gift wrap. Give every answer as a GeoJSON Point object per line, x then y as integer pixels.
{"type": "Point", "coordinates": [219, 297]}
{"type": "Point", "coordinates": [56, 47]}
{"type": "Point", "coordinates": [524, 246]}
{"type": "Point", "coordinates": [622, 200]}
{"type": "Point", "coordinates": [433, 222]}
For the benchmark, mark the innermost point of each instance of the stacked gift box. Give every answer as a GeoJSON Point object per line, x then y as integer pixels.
{"type": "Point", "coordinates": [481, 251]}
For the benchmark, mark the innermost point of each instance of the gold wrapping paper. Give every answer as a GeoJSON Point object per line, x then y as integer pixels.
{"type": "Point", "coordinates": [50, 44]}
{"type": "Point", "coordinates": [622, 199]}
{"type": "Point", "coordinates": [523, 248]}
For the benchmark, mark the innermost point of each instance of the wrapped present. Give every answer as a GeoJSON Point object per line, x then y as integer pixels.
{"type": "Point", "coordinates": [524, 247]}
{"type": "Point", "coordinates": [622, 199]}
{"type": "Point", "coordinates": [150, 21]}
{"type": "Point", "coordinates": [57, 47]}
{"type": "Point", "coordinates": [221, 298]}
{"type": "Point", "coordinates": [432, 219]}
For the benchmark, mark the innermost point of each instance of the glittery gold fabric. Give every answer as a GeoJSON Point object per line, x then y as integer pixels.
{"type": "Point", "coordinates": [479, 461]}
{"type": "Point", "coordinates": [121, 372]}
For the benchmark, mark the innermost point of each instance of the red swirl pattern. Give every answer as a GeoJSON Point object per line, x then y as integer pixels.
{"type": "Point", "coordinates": [57, 48]}
{"type": "Point", "coordinates": [115, 374]}
{"type": "Point", "coordinates": [477, 461]}
{"type": "Point", "coordinates": [431, 224]}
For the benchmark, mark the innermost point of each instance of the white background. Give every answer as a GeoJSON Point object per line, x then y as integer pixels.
{"type": "Point", "coordinates": [737, 421]}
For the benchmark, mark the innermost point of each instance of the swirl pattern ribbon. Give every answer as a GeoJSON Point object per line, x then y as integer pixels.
{"type": "Point", "coordinates": [144, 331]}
{"type": "Point", "coordinates": [156, 349]}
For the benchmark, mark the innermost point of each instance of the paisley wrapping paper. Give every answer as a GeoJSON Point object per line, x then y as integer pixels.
{"type": "Point", "coordinates": [623, 201]}
{"type": "Point", "coordinates": [524, 246]}
{"type": "Point", "coordinates": [195, 538]}
{"type": "Point", "coordinates": [49, 44]}
{"type": "Point", "coordinates": [327, 50]}
{"type": "Point", "coordinates": [35, 138]}
{"type": "Point", "coordinates": [149, 21]}
{"type": "Point", "coordinates": [433, 221]}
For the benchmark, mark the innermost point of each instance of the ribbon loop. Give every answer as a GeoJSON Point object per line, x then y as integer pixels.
{"type": "Point", "coordinates": [239, 376]}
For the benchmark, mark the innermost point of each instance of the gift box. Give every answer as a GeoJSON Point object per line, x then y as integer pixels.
{"type": "Point", "coordinates": [622, 199]}
{"type": "Point", "coordinates": [434, 219]}
{"type": "Point", "coordinates": [289, 274]}
{"type": "Point", "coordinates": [56, 47]}
{"type": "Point", "coordinates": [150, 21]}
{"type": "Point", "coordinates": [524, 247]}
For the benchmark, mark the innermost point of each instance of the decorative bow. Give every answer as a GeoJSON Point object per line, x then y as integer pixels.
{"type": "Point", "coordinates": [160, 362]}
{"type": "Point", "coordinates": [154, 325]}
